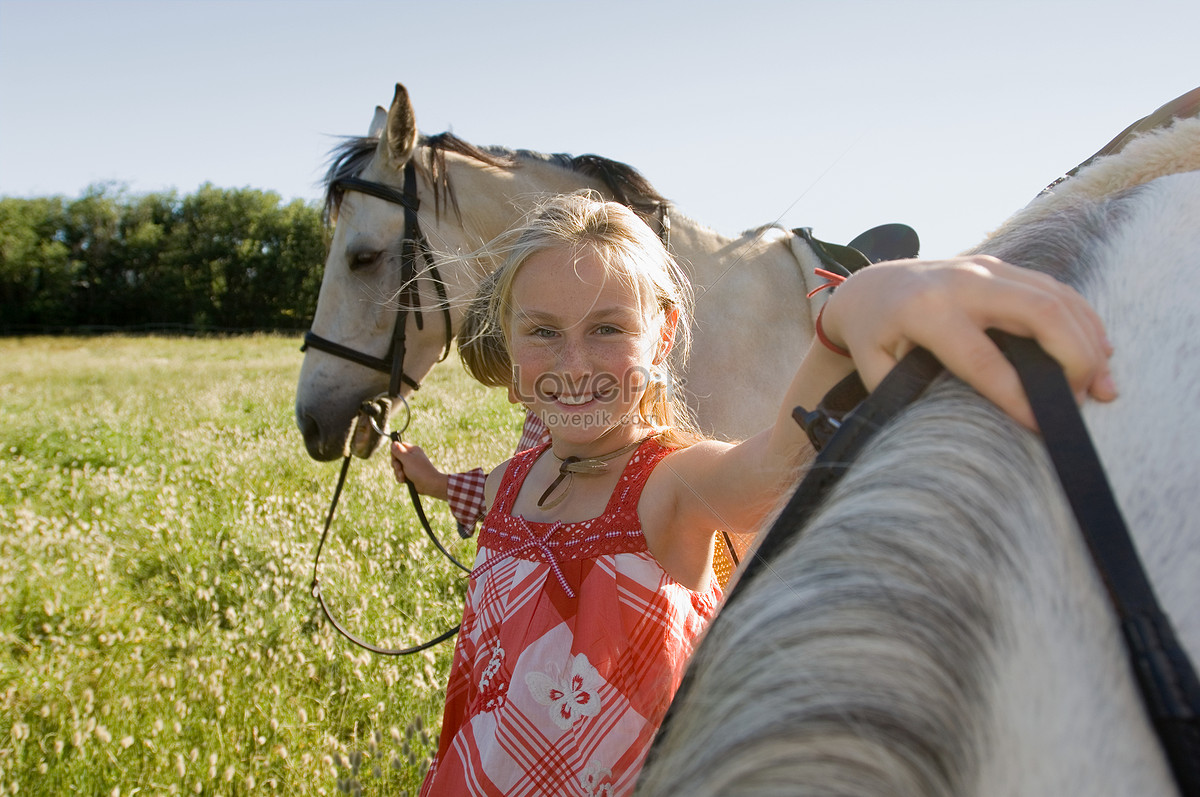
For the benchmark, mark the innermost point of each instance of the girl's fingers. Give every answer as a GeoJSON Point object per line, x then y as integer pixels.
{"type": "Point", "coordinates": [398, 449]}
{"type": "Point", "coordinates": [1065, 326]}
{"type": "Point", "coordinates": [972, 357]}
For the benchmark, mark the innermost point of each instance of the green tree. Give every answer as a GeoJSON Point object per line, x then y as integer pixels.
{"type": "Point", "coordinates": [90, 231]}
{"type": "Point", "coordinates": [219, 258]}
{"type": "Point", "coordinates": [36, 277]}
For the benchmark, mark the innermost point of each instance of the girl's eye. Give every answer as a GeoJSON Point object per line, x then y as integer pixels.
{"type": "Point", "coordinates": [607, 329]}
{"type": "Point", "coordinates": [543, 332]}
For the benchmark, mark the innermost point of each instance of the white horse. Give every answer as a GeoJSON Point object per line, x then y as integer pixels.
{"type": "Point", "coordinates": [753, 321]}
{"type": "Point", "coordinates": [938, 628]}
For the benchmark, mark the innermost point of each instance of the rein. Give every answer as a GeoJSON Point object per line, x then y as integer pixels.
{"type": "Point", "coordinates": [848, 418]}
{"type": "Point", "coordinates": [416, 501]}
{"type": "Point", "coordinates": [415, 247]}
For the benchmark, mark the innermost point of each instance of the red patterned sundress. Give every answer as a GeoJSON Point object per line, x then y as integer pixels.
{"type": "Point", "coordinates": [572, 644]}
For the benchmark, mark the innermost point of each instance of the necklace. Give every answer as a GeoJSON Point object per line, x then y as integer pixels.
{"type": "Point", "coordinates": [587, 467]}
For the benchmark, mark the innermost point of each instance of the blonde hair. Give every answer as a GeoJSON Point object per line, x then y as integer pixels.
{"type": "Point", "coordinates": [630, 252]}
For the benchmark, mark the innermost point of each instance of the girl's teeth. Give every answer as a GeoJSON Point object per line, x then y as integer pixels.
{"type": "Point", "coordinates": [573, 399]}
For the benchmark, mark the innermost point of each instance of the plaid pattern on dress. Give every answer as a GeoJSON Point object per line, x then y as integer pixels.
{"type": "Point", "coordinates": [572, 644]}
{"type": "Point", "coordinates": [464, 491]}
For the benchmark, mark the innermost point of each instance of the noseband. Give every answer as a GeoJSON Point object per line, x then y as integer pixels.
{"type": "Point", "coordinates": [415, 247]}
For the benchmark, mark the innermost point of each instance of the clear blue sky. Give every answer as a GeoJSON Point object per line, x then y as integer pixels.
{"type": "Point", "coordinates": [838, 115]}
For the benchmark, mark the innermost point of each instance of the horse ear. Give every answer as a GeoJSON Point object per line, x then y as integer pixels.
{"type": "Point", "coordinates": [399, 137]}
{"type": "Point", "coordinates": [377, 123]}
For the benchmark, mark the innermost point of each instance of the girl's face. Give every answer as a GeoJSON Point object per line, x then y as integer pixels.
{"type": "Point", "coordinates": [582, 349]}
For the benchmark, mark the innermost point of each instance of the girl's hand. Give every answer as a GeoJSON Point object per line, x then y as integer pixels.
{"type": "Point", "coordinates": [883, 311]}
{"type": "Point", "coordinates": [410, 462]}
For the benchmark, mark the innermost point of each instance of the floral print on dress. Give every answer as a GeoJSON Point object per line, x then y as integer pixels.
{"type": "Point", "coordinates": [596, 780]}
{"type": "Point", "coordinates": [493, 694]}
{"type": "Point", "coordinates": [571, 696]}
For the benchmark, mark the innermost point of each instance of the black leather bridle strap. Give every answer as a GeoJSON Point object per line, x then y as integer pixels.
{"type": "Point", "coordinates": [1164, 673]}
{"type": "Point", "coordinates": [415, 253]}
{"type": "Point", "coordinates": [407, 198]}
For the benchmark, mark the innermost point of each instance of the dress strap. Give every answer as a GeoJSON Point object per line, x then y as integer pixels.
{"type": "Point", "coordinates": [628, 491]}
{"type": "Point", "coordinates": [514, 476]}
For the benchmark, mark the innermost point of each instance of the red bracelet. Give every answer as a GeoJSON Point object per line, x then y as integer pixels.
{"type": "Point", "coordinates": [825, 341]}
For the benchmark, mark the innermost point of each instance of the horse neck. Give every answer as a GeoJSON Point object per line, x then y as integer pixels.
{"type": "Point", "coordinates": [485, 202]}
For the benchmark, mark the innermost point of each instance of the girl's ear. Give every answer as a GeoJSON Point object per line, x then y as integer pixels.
{"type": "Point", "coordinates": [667, 334]}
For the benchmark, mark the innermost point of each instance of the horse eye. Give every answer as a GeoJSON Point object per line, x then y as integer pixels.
{"type": "Point", "coordinates": [363, 260]}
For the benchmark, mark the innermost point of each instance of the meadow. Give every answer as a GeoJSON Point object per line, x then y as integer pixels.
{"type": "Point", "coordinates": [158, 519]}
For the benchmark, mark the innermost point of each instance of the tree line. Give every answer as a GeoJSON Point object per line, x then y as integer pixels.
{"type": "Point", "coordinates": [217, 259]}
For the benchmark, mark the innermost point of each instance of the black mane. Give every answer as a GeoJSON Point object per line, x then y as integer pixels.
{"type": "Point", "coordinates": [627, 185]}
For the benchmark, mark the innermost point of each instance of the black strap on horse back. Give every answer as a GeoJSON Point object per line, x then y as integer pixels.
{"type": "Point", "coordinates": [1165, 675]}
{"type": "Point", "coordinates": [902, 386]}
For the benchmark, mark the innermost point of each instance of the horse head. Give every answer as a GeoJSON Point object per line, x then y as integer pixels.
{"type": "Point", "coordinates": [387, 278]}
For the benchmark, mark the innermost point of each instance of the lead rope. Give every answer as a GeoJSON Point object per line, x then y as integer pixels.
{"type": "Point", "coordinates": [316, 585]}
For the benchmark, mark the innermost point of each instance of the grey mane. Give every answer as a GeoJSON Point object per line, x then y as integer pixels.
{"type": "Point", "coordinates": [859, 662]}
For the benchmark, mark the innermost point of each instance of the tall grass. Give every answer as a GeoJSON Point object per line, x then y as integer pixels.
{"type": "Point", "coordinates": [158, 517]}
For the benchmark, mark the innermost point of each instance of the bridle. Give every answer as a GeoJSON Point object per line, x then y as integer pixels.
{"type": "Point", "coordinates": [414, 250]}
{"type": "Point", "coordinates": [414, 253]}
{"type": "Point", "coordinates": [847, 420]}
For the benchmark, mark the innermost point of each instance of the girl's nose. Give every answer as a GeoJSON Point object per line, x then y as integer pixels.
{"type": "Point", "coordinates": [573, 358]}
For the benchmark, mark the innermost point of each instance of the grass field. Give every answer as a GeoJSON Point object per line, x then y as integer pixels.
{"type": "Point", "coordinates": [158, 517]}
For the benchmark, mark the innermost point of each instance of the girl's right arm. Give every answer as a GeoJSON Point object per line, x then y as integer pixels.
{"type": "Point", "coordinates": [879, 314]}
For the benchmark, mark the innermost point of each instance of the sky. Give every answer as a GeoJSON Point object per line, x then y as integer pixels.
{"type": "Point", "coordinates": [838, 115]}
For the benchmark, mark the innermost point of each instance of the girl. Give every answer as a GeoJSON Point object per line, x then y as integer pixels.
{"type": "Point", "coordinates": [594, 569]}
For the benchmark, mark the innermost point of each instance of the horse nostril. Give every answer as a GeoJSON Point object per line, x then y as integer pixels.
{"type": "Point", "coordinates": [311, 430]}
